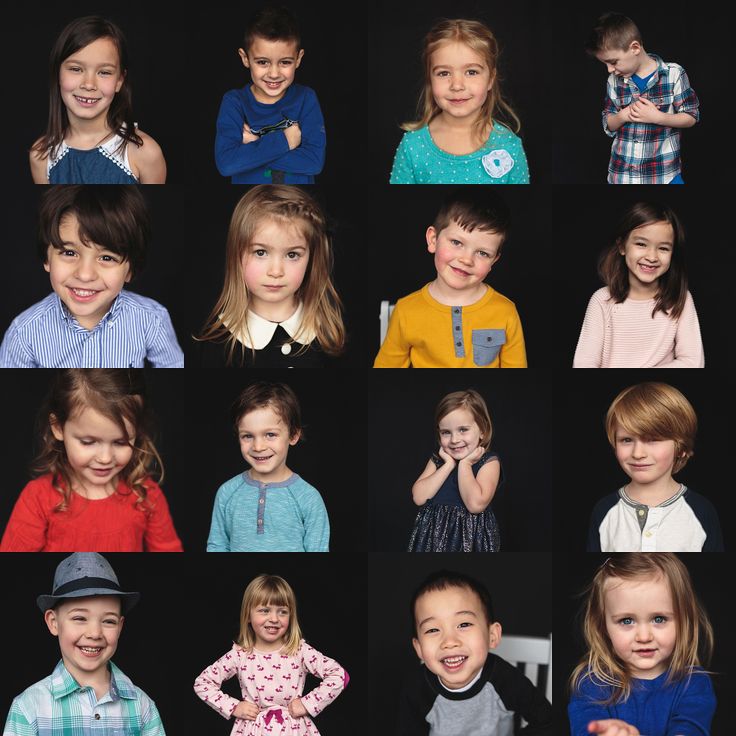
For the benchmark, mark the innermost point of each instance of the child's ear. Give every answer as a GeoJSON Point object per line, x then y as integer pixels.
{"type": "Point", "coordinates": [431, 239]}
{"type": "Point", "coordinates": [244, 58]}
{"type": "Point", "coordinates": [494, 635]}
{"type": "Point", "coordinates": [299, 58]}
{"type": "Point", "coordinates": [635, 47]}
{"type": "Point", "coordinates": [295, 438]}
{"type": "Point", "coordinates": [417, 648]}
{"type": "Point", "coordinates": [120, 83]}
{"type": "Point", "coordinates": [50, 618]}
{"type": "Point", "coordinates": [56, 428]}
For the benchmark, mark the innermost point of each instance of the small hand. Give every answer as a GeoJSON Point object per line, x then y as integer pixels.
{"type": "Point", "coordinates": [248, 137]}
{"type": "Point", "coordinates": [447, 457]}
{"type": "Point", "coordinates": [644, 111]}
{"type": "Point", "coordinates": [247, 711]}
{"type": "Point", "coordinates": [612, 727]}
{"type": "Point", "coordinates": [293, 136]}
{"type": "Point", "coordinates": [297, 709]}
{"type": "Point", "coordinates": [474, 456]}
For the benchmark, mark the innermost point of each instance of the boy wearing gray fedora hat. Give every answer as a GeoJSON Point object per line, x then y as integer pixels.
{"type": "Point", "coordinates": [86, 692]}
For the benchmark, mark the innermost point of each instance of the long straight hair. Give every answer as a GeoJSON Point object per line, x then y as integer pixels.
{"type": "Point", "coordinates": [117, 394]}
{"type": "Point", "coordinates": [614, 272]}
{"type": "Point", "coordinates": [78, 34]}
{"type": "Point", "coordinates": [479, 38]}
{"type": "Point", "coordinates": [694, 633]}
{"type": "Point", "coordinates": [322, 316]}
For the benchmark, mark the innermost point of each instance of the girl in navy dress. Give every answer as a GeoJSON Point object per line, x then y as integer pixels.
{"type": "Point", "coordinates": [91, 137]}
{"type": "Point", "coordinates": [457, 485]}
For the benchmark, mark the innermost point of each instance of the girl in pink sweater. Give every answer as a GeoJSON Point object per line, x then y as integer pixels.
{"type": "Point", "coordinates": [94, 491]}
{"type": "Point", "coordinates": [644, 316]}
{"type": "Point", "coordinates": [271, 661]}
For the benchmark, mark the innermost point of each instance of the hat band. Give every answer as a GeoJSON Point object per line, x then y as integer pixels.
{"type": "Point", "coordinates": [82, 583]}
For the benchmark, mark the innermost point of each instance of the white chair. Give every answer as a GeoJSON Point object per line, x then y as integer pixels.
{"type": "Point", "coordinates": [385, 313]}
{"type": "Point", "coordinates": [529, 653]}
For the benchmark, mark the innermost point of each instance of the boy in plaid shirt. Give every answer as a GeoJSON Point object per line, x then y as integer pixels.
{"type": "Point", "coordinates": [86, 693]}
{"type": "Point", "coordinates": [648, 102]}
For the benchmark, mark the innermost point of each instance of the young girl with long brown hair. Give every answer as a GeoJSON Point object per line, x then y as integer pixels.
{"type": "Point", "coordinates": [458, 137]}
{"type": "Point", "coordinates": [93, 489]}
{"type": "Point", "coordinates": [278, 307]}
{"type": "Point", "coordinates": [646, 636]}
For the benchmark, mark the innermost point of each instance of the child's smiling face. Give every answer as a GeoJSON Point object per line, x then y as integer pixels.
{"type": "Point", "coordinates": [459, 433]}
{"type": "Point", "coordinates": [272, 66]}
{"type": "Point", "coordinates": [87, 277]}
{"type": "Point", "coordinates": [270, 624]}
{"type": "Point", "coordinates": [264, 442]}
{"type": "Point", "coordinates": [90, 78]}
{"type": "Point", "coordinates": [453, 634]}
{"type": "Point", "coordinates": [648, 253]}
{"type": "Point", "coordinates": [645, 460]}
{"type": "Point", "coordinates": [88, 630]}
{"type": "Point", "coordinates": [96, 449]}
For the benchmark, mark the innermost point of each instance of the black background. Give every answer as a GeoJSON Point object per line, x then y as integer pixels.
{"type": "Point", "coordinates": [369, 434]}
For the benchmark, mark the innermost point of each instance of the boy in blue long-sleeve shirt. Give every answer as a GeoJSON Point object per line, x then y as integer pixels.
{"type": "Point", "coordinates": [272, 130]}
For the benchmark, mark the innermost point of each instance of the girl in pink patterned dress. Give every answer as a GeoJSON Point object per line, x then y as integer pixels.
{"type": "Point", "coordinates": [271, 660]}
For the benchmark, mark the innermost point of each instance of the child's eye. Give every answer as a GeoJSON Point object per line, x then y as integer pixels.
{"type": "Point", "coordinates": [455, 242]}
{"type": "Point", "coordinates": [431, 631]}
{"type": "Point", "coordinates": [442, 73]}
{"type": "Point", "coordinates": [483, 254]}
{"type": "Point", "coordinates": [472, 72]}
{"type": "Point", "coordinates": [86, 442]}
{"type": "Point", "coordinates": [287, 62]}
{"type": "Point", "coordinates": [109, 259]}
{"type": "Point", "coordinates": [74, 69]}
{"type": "Point", "coordinates": [271, 435]}
{"type": "Point", "coordinates": [293, 255]}
{"type": "Point", "coordinates": [67, 253]}
{"type": "Point", "coordinates": [465, 625]}
{"type": "Point", "coordinates": [660, 619]}
{"type": "Point", "coordinates": [626, 621]}
{"type": "Point", "coordinates": [259, 252]}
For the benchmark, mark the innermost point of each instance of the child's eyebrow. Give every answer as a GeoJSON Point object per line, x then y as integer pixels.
{"type": "Point", "coordinates": [457, 613]}
{"type": "Point", "coordinates": [450, 66]}
{"type": "Point", "coordinates": [72, 60]}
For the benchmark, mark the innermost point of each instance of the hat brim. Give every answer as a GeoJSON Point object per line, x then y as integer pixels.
{"type": "Point", "coordinates": [127, 600]}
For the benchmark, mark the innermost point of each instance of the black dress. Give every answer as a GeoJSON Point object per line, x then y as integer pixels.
{"type": "Point", "coordinates": [444, 524]}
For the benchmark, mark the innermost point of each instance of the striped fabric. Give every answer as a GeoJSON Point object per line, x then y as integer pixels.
{"type": "Point", "coordinates": [643, 153]}
{"type": "Point", "coordinates": [135, 330]}
{"type": "Point", "coordinates": [626, 335]}
{"type": "Point", "coordinates": [59, 706]}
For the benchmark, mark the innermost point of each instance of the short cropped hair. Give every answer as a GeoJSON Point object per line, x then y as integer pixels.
{"type": "Point", "coordinates": [444, 579]}
{"type": "Point", "coordinates": [474, 208]}
{"type": "Point", "coordinates": [612, 31]}
{"type": "Point", "coordinates": [656, 411]}
{"type": "Point", "coordinates": [273, 24]}
{"type": "Point", "coordinates": [278, 396]}
{"type": "Point", "coordinates": [113, 217]}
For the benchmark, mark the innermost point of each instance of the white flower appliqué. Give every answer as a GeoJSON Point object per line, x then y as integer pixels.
{"type": "Point", "coordinates": [498, 163]}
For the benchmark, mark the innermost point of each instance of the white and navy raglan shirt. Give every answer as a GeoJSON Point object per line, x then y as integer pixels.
{"type": "Point", "coordinates": [687, 522]}
{"type": "Point", "coordinates": [493, 704]}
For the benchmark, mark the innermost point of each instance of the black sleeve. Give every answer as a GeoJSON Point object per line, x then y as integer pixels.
{"type": "Point", "coordinates": [708, 518]}
{"type": "Point", "coordinates": [596, 519]}
{"type": "Point", "coordinates": [520, 696]}
{"type": "Point", "coordinates": [416, 701]}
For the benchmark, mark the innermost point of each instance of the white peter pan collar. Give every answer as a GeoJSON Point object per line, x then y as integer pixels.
{"type": "Point", "coordinates": [261, 330]}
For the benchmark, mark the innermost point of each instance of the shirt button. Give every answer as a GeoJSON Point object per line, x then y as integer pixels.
{"type": "Point", "coordinates": [286, 348]}
{"type": "Point", "coordinates": [260, 500]}
{"type": "Point", "coordinates": [457, 327]}
{"type": "Point", "coordinates": [489, 339]}
{"type": "Point", "coordinates": [647, 534]}
{"type": "Point", "coordinates": [459, 344]}
{"type": "Point", "coordinates": [641, 512]}
{"type": "Point", "coordinates": [97, 716]}
{"type": "Point", "coordinates": [260, 521]}
{"type": "Point", "coordinates": [457, 311]}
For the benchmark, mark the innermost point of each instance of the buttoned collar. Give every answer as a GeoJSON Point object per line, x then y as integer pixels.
{"type": "Point", "coordinates": [71, 320]}
{"type": "Point", "coordinates": [63, 684]}
{"type": "Point", "coordinates": [261, 330]}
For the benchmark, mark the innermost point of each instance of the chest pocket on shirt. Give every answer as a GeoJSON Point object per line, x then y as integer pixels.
{"type": "Point", "coordinates": [661, 103]}
{"type": "Point", "coordinates": [487, 345]}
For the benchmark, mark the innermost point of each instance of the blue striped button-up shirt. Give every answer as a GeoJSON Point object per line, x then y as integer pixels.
{"type": "Point", "coordinates": [135, 329]}
{"type": "Point", "coordinates": [60, 706]}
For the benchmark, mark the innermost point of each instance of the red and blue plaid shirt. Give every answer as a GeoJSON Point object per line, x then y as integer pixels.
{"type": "Point", "coordinates": [643, 153]}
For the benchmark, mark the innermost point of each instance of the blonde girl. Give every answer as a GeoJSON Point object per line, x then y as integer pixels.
{"type": "Point", "coordinates": [94, 489]}
{"type": "Point", "coordinates": [271, 660]}
{"type": "Point", "coordinates": [457, 485]}
{"type": "Point", "coordinates": [647, 636]}
{"type": "Point", "coordinates": [458, 137]}
{"type": "Point", "coordinates": [644, 316]}
{"type": "Point", "coordinates": [91, 136]}
{"type": "Point", "coordinates": [278, 307]}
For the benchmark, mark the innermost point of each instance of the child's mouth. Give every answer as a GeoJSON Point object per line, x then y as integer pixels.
{"type": "Point", "coordinates": [87, 101]}
{"type": "Point", "coordinates": [647, 653]}
{"type": "Point", "coordinates": [83, 295]}
{"type": "Point", "coordinates": [91, 651]}
{"type": "Point", "coordinates": [647, 268]}
{"type": "Point", "coordinates": [453, 663]}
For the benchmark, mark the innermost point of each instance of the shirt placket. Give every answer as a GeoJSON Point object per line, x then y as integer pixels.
{"type": "Point", "coordinates": [260, 517]}
{"type": "Point", "coordinates": [457, 332]}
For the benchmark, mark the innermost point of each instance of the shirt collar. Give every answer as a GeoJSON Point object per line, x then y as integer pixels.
{"type": "Point", "coordinates": [63, 683]}
{"type": "Point", "coordinates": [71, 320]}
{"type": "Point", "coordinates": [661, 66]}
{"type": "Point", "coordinates": [260, 330]}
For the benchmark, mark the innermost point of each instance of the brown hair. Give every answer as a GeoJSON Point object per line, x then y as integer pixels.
{"type": "Point", "coordinates": [78, 34]}
{"type": "Point", "coordinates": [612, 31]}
{"type": "Point", "coordinates": [475, 404]}
{"type": "Point", "coordinates": [479, 38]}
{"type": "Point", "coordinates": [117, 394]}
{"type": "Point", "coordinates": [287, 205]}
{"type": "Point", "coordinates": [273, 24]}
{"type": "Point", "coordinates": [278, 396]}
{"type": "Point", "coordinates": [694, 634]}
{"type": "Point", "coordinates": [275, 591]}
{"type": "Point", "coordinates": [655, 411]}
{"type": "Point", "coordinates": [113, 217]}
{"type": "Point", "coordinates": [613, 271]}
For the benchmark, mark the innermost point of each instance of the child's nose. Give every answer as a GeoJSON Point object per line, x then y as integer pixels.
{"type": "Point", "coordinates": [86, 269]}
{"type": "Point", "coordinates": [104, 453]}
{"type": "Point", "coordinates": [643, 632]}
{"type": "Point", "coordinates": [275, 267]}
{"type": "Point", "coordinates": [89, 79]}
{"type": "Point", "coordinates": [458, 81]}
